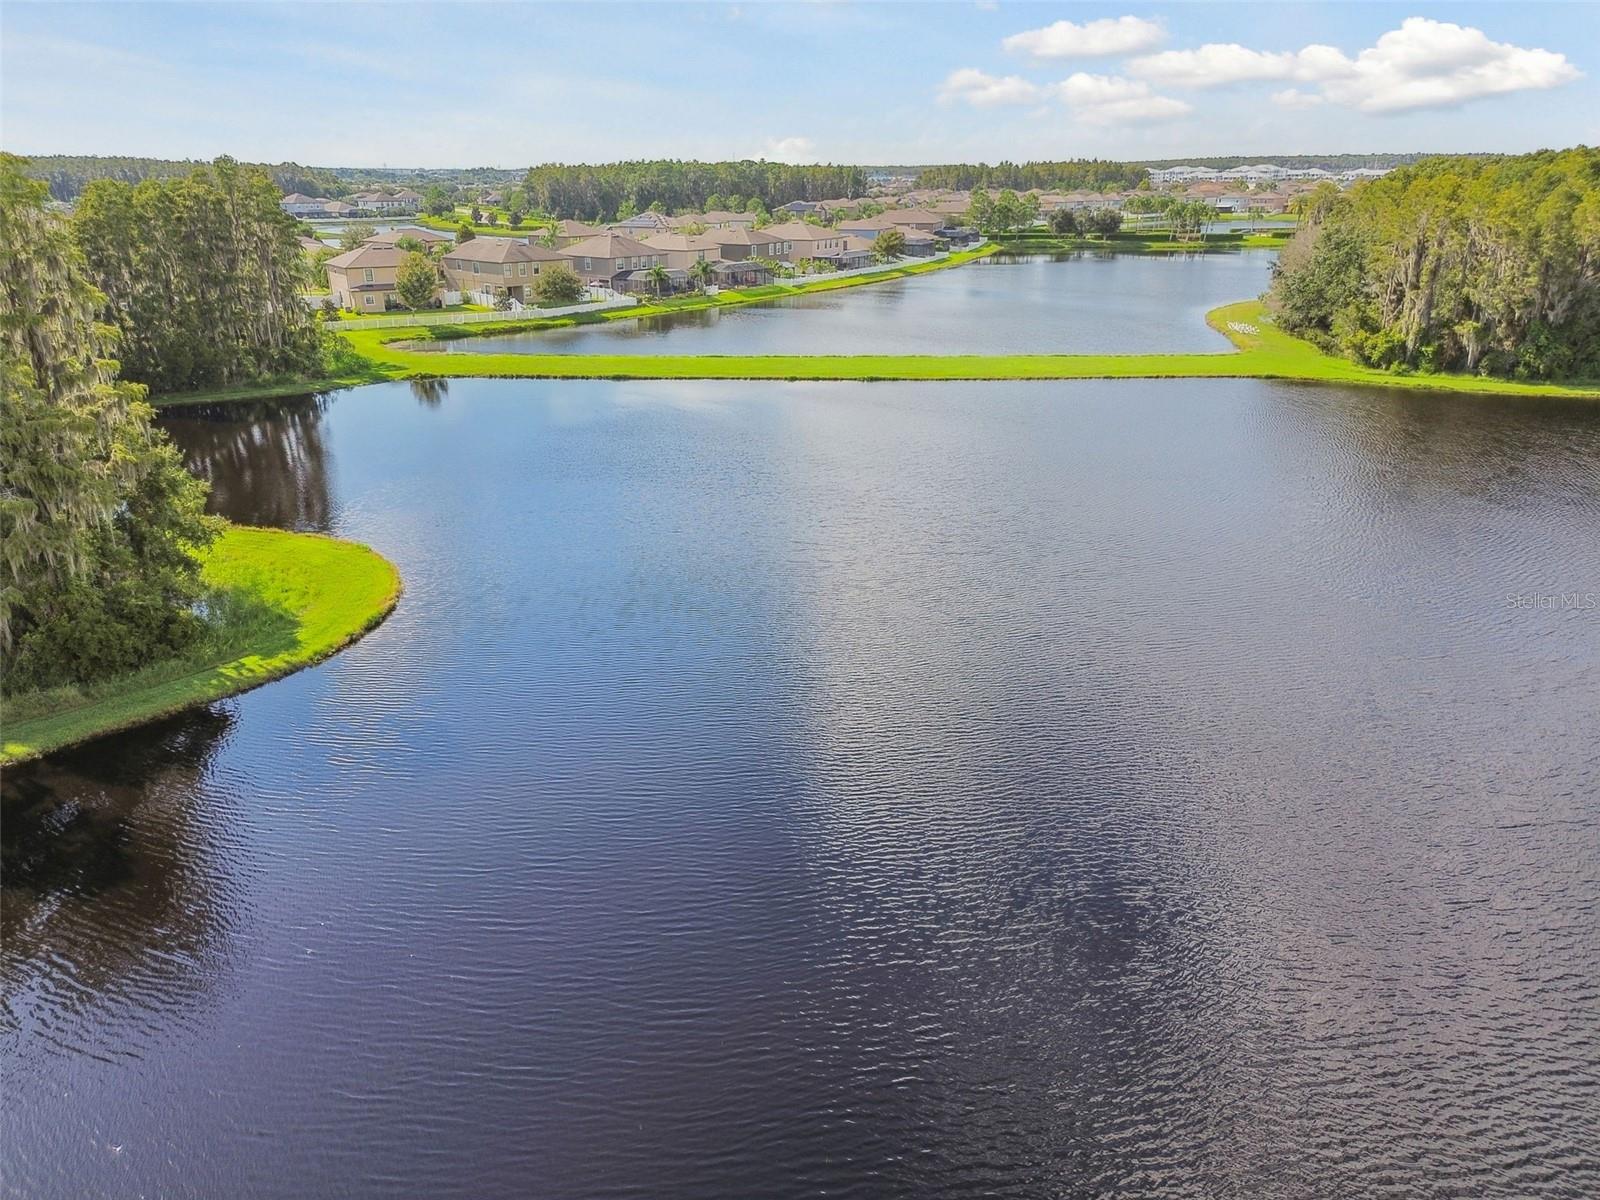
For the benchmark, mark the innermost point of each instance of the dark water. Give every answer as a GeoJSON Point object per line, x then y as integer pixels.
{"type": "Point", "coordinates": [853, 790]}
{"type": "Point", "coordinates": [1062, 304]}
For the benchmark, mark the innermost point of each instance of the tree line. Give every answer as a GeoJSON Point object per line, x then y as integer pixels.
{"type": "Point", "coordinates": [600, 192]}
{"type": "Point", "coordinates": [201, 276]}
{"type": "Point", "coordinates": [1076, 175]}
{"type": "Point", "coordinates": [99, 521]}
{"type": "Point", "coordinates": [67, 175]}
{"type": "Point", "coordinates": [1486, 264]}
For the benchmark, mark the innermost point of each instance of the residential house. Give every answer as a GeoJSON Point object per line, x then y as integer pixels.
{"type": "Point", "coordinates": [428, 237]}
{"type": "Point", "coordinates": [735, 245]}
{"type": "Point", "coordinates": [721, 219]}
{"type": "Point", "coordinates": [917, 218]}
{"type": "Point", "coordinates": [852, 253]}
{"type": "Point", "coordinates": [919, 242]}
{"type": "Point", "coordinates": [312, 245]}
{"type": "Point", "coordinates": [803, 208]}
{"type": "Point", "coordinates": [681, 251]}
{"type": "Point", "coordinates": [741, 274]}
{"type": "Point", "coordinates": [364, 278]}
{"type": "Point", "coordinates": [500, 266]}
{"type": "Point", "coordinates": [642, 225]}
{"type": "Point", "coordinates": [675, 279]}
{"type": "Point", "coordinates": [607, 257]}
{"type": "Point", "coordinates": [297, 204]}
{"type": "Point", "coordinates": [868, 228]}
{"type": "Point", "coordinates": [403, 201]}
{"type": "Point", "coordinates": [801, 241]}
{"type": "Point", "coordinates": [569, 231]}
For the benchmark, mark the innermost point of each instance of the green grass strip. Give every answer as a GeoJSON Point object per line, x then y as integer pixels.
{"type": "Point", "coordinates": [1260, 351]}
{"type": "Point", "coordinates": [281, 601]}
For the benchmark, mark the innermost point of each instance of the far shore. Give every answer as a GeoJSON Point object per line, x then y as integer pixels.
{"type": "Point", "coordinates": [1259, 350]}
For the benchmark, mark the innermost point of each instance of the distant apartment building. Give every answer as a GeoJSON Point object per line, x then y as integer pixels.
{"type": "Point", "coordinates": [1258, 173]}
{"type": "Point", "coordinates": [386, 203]}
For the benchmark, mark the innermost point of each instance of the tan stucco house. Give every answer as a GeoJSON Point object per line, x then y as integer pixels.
{"type": "Point", "coordinates": [500, 266]}
{"type": "Point", "coordinates": [604, 259]}
{"type": "Point", "coordinates": [364, 278]}
{"type": "Point", "coordinates": [681, 251]}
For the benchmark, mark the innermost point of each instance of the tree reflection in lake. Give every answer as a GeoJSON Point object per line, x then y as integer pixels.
{"type": "Point", "coordinates": [119, 894]}
{"type": "Point", "coordinates": [430, 393]}
{"type": "Point", "coordinates": [265, 459]}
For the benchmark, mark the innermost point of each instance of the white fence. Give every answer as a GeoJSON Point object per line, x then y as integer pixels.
{"type": "Point", "coordinates": [597, 300]}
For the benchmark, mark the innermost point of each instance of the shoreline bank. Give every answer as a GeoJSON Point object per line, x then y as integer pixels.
{"type": "Point", "coordinates": [299, 598]}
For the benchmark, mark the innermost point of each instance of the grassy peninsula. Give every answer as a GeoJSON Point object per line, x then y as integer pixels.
{"type": "Point", "coordinates": [277, 601]}
{"type": "Point", "coordinates": [1260, 351]}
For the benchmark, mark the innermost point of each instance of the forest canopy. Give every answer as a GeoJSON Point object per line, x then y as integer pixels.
{"type": "Point", "coordinates": [99, 521]}
{"type": "Point", "coordinates": [602, 191]}
{"type": "Point", "coordinates": [1482, 264]}
{"type": "Point", "coordinates": [202, 277]}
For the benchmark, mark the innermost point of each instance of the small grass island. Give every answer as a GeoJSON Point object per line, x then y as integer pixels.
{"type": "Point", "coordinates": [278, 602]}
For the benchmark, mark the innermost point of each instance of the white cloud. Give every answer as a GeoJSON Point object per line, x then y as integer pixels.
{"type": "Point", "coordinates": [1434, 64]}
{"type": "Point", "coordinates": [1092, 39]}
{"type": "Point", "coordinates": [1093, 99]}
{"type": "Point", "coordinates": [1423, 64]}
{"type": "Point", "coordinates": [1113, 100]}
{"type": "Point", "coordinates": [789, 150]}
{"type": "Point", "coordinates": [983, 90]}
{"type": "Point", "coordinates": [1295, 98]}
{"type": "Point", "coordinates": [1218, 63]}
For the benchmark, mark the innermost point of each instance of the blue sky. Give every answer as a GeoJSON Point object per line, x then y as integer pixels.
{"type": "Point", "coordinates": [456, 84]}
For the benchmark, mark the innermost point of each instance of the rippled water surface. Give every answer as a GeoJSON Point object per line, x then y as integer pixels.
{"type": "Point", "coordinates": [1065, 304]}
{"type": "Point", "coordinates": [853, 790]}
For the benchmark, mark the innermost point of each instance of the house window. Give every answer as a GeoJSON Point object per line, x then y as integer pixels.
{"type": "Point", "coordinates": [587, 265]}
{"type": "Point", "coordinates": [368, 300]}
{"type": "Point", "coordinates": [475, 269]}
{"type": "Point", "coordinates": [508, 270]}
{"type": "Point", "coordinates": [368, 274]}
{"type": "Point", "coordinates": [522, 269]}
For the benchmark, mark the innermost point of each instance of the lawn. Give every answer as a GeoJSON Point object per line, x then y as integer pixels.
{"type": "Point", "coordinates": [280, 601]}
{"type": "Point", "coordinates": [1260, 351]}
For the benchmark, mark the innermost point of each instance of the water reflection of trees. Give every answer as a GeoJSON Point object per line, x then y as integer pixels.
{"type": "Point", "coordinates": [266, 460]}
{"type": "Point", "coordinates": [118, 889]}
{"type": "Point", "coordinates": [430, 393]}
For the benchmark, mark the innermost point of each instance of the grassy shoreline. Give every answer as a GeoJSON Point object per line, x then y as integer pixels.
{"type": "Point", "coordinates": [377, 370]}
{"type": "Point", "coordinates": [286, 601]}
{"type": "Point", "coordinates": [1259, 351]}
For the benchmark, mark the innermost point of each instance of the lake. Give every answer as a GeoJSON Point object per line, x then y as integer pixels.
{"type": "Point", "coordinates": [1176, 787]}
{"type": "Point", "coordinates": [1036, 304]}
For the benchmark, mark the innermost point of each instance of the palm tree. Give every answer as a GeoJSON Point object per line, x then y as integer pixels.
{"type": "Point", "coordinates": [700, 271]}
{"type": "Point", "coordinates": [659, 277]}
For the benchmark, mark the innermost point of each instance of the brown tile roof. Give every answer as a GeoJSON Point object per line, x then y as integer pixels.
{"type": "Point", "coordinates": [607, 245]}
{"type": "Point", "coordinates": [367, 256]}
{"type": "Point", "coordinates": [428, 237]}
{"type": "Point", "coordinates": [799, 231]}
{"type": "Point", "coordinates": [680, 241]}
{"type": "Point", "coordinates": [741, 237]}
{"type": "Point", "coordinates": [570, 228]}
{"type": "Point", "coordinates": [501, 250]}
